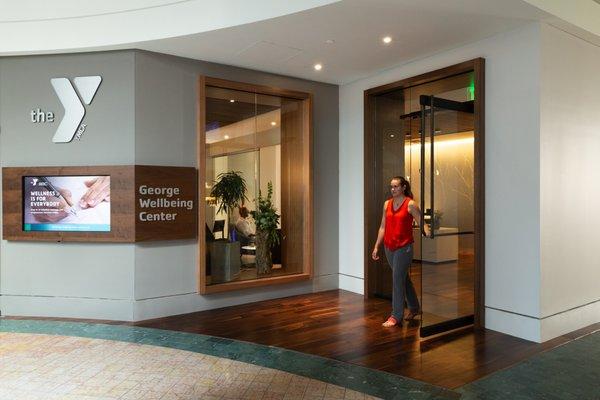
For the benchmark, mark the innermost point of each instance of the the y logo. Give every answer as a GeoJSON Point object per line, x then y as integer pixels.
{"type": "Point", "coordinates": [87, 86]}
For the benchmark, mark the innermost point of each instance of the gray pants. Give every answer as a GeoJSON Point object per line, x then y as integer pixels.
{"type": "Point", "coordinates": [400, 261]}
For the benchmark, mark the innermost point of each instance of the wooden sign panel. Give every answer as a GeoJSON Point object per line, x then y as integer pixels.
{"type": "Point", "coordinates": [122, 204]}
{"type": "Point", "coordinates": [165, 203]}
{"type": "Point", "coordinates": [15, 197]}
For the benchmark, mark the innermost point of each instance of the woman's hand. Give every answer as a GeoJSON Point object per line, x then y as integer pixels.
{"type": "Point", "coordinates": [427, 231]}
{"type": "Point", "coordinates": [98, 191]}
{"type": "Point", "coordinates": [374, 254]}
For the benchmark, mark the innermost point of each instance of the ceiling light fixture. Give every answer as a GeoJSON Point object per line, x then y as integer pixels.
{"type": "Point", "coordinates": [273, 123]}
{"type": "Point", "coordinates": [329, 41]}
{"type": "Point", "coordinates": [318, 67]}
{"type": "Point", "coordinates": [232, 101]}
{"type": "Point", "coordinates": [387, 40]}
{"type": "Point", "coordinates": [226, 136]}
{"type": "Point", "coordinates": [392, 135]}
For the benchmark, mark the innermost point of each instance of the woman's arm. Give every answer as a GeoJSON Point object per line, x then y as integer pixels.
{"type": "Point", "coordinates": [380, 234]}
{"type": "Point", "coordinates": [415, 211]}
{"type": "Point", "coordinates": [243, 226]}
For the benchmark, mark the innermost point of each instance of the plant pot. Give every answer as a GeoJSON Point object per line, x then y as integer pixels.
{"type": "Point", "coordinates": [225, 261]}
{"type": "Point", "coordinates": [264, 260]}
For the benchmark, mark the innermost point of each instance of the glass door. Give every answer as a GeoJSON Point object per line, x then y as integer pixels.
{"type": "Point", "coordinates": [446, 198]}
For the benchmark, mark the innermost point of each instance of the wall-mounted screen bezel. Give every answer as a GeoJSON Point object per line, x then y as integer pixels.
{"type": "Point", "coordinates": [51, 214]}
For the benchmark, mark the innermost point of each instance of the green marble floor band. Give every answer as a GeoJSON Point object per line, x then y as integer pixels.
{"type": "Point", "coordinates": [365, 380]}
{"type": "Point", "coordinates": [570, 371]}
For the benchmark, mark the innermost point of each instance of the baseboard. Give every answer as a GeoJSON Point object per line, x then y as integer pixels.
{"type": "Point", "coordinates": [570, 320]}
{"type": "Point", "coordinates": [142, 309]}
{"type": "Point", "coordinates": [159, 307]}
{"type": "Point", "coordinates": [522, 326]}
{"type": "Point", "coordinates": [352, 284]}
{"type": "Point", "coordinates": [67, 307]}
{"type": "Point", "coordinates": [325, 282]}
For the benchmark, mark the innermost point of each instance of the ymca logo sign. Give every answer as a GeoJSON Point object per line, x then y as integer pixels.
{"type": "Point", "coordinates": [87, 86]}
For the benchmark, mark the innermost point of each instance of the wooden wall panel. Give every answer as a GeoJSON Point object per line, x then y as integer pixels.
{"type": "Point", "coordinates": [184, 222]}
{"type": "Point", "coordinates": [121, 204]}
{"type": "Point", "coordinates": [124, 203]}
{"type": "Point", "coordinates": [292, 184]}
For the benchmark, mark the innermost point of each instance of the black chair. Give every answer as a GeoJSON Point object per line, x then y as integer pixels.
{"type": "Point", "coordinates": [209, 238]}
{"type": "Point", "coordinates": [243, 239]}
{"type": "Point", "coordinates": [209, 235]}
{"type": "Point", "coordinates": [276, 250]}
{"type": "Point", "coordinates": [219, 226]}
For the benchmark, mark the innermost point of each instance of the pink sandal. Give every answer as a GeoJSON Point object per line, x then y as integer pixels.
{"type": "Point", "coordinates": [391, 321]}
{"type": "Point", "coordinates": [411, 316]}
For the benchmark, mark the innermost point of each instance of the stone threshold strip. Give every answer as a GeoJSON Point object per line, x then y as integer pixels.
{"type": "Point", "coordinates": [365, 380]}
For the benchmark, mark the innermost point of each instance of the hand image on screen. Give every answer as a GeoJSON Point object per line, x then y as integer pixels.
{"type": "Point", "coordinates": [59, 213]}
{"type": "Point", "coordinates": [98, 191]}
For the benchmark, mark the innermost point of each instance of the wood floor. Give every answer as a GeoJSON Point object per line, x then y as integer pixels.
{"type": "Point", "coordinates": [347, 327]}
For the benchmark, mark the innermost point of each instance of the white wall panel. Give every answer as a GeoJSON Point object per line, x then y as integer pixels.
{"type": "Point", "coordinates": [512, 166]}
{"type": "Point", "coordinates": [570, 170]}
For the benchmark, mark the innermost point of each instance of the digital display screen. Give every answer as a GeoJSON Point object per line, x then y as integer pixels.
{"type": "Point", "coordinates": [66, 203]}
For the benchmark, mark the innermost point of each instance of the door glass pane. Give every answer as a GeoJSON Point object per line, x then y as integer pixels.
{"type": "Point", "coordinates": [391, 129]}
{"type": "Point", "coordinates": [412, 167]}
{"type": "Point", "coordinates": [448, 258]}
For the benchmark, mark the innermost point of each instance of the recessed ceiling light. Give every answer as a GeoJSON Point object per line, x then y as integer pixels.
{"type": "Point", "coordinates": [273, 123]}
{"type": "Point", "coordinates": [387, 40]}
{"type": "Point", "coordinates": [226, 136]}
{"type": "Point", "coordinates": [392, 135]}
{"type": "Point", "coordinates": [318, 67]}
{"type": "Point", "coordinates": [232, 101]}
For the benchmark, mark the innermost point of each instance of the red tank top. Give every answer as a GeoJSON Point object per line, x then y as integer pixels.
{"type": "Point", "coordinates": [398, 226]}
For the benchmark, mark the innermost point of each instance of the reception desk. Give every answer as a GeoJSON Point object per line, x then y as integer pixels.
{"type": "Point", "coordinates": [437, 250]}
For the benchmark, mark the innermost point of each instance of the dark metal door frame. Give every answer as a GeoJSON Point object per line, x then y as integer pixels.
{"type": "Point", "coordinates": [373, 211]}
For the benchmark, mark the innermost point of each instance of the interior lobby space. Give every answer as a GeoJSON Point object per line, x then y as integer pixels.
{"type": "Point", "coordinates": [322, 199]}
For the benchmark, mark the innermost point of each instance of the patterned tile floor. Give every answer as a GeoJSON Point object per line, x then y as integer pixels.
{"type": "Point", "coordinates": [38, 366]}
{"type": "Point", "coordinates": [66, 360]}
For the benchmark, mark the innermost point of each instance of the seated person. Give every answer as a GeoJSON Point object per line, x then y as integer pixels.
{"type": "Point", "coordinates": [244, 227]}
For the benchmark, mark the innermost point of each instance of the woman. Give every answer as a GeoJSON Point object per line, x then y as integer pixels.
{"type": "Point", "coordinates": [243, 224]}
{"type": "Point", "coordinates": [396, 232]}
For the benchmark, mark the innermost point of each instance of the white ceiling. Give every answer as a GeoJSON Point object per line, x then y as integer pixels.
{"type": "Point", "coordinates": [292, 44]}
{"type": "Point", "coordinates": [285, 37]}
{"type": "Point", "coordinates": [60, 26]}
{"type": "Point", "coordinates": [34, 10]}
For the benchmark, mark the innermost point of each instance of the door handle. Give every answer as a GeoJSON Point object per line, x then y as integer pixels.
{"type": "Point", "coordinates": [432, 171]}
{"type": "Point", "coordinates": [422, 221]}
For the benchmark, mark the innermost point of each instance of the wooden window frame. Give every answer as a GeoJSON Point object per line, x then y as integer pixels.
{"type": "Point", "coordinates": [373, 211]}
{"type": "Point", "coordinates": [307, 101]}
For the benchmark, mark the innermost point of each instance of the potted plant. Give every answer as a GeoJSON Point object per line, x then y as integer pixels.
{"type": "Point", "coordinates": [229, 192]}
{"type": "Point", "coordinates": [266, 220]}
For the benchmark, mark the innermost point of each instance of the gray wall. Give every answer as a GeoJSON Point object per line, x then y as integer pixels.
{"type": "Point", "coordinates": [67, 279]}
{"type": "Point", "coordinates": [166, 115]}
{"type": "Point", "coordinates": [144, 113]}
